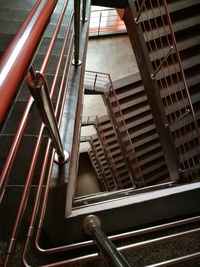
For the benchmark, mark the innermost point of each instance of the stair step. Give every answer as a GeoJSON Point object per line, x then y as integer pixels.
{"type": "Point", "coordinates": [182, 103]}
{"type": "Point", "coordinates": [189, 59]}
{"type": "Point", "coordinates": [161, 174]}
{"type": "Point", "coordinates": [190, 154]}
{"type": "Point", "coordinates": [136, 110]}
{"type": "Point", "coordinates": [152, 167]}
{"type": "Point", "coordinates": [138, 121]}
{"type": "Point", "coordinates": [14, 118]}
{"type": "Point", "coordinates": [192, 78]}
{"type": "Point", "coordinates": [129, 102]}
{"type": "Point", "coordinates": [127, 91]}
{"type": "Point", "coordinates": [148, 147]}
{"type": "Point", "coordinates": [177, 26]}
{"type": "Point", "coordinates": [173, 7]}
{"type": "Point", "coordinates": [141, 133]}
{"type": "Point", "coordinates": [191, 39]}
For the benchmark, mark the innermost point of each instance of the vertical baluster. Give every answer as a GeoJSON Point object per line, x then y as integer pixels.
{"type": "Point", "coordinates": [84, 19]}
{"type": "Point", "coordinates": [76, 60]}
{"type": "Point", "coordinates": [38, 87]}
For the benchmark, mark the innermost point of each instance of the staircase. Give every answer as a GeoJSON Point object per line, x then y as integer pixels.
{"type": "Point", "coordinates": [177, 80]}
{"type": "Point", "coordinates": [133, 103]}
{"type": "Point", "coordinates": [148, 146]}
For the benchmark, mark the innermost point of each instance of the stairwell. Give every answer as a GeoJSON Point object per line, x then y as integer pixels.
{"type": "Point", "coordinates": [128, 151]}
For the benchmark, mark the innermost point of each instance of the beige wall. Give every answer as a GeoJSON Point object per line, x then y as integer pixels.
{"type": "Point", "coordinates": [86, 182]}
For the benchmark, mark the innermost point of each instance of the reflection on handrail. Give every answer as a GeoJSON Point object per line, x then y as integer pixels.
{"type": "Point", "coordinates": [18, 56]}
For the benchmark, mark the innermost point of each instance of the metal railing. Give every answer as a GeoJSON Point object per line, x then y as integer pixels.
{"type": "Point", "coordinates": [169, 73]}
{"type": "Point", "coordinates": [126, 139]}
{"type": "Point", "coordinates": [100, 81]}
{"type": "Point", "coordinates": [14, 67]}
{"type": "Point", "coordinates": [108, 153]}
{"type": "Point", "coordinates": [131, 247]}
{"type": "Point", "coordinates": [40, 203]}
{"type": "Point", "coordinates": [38, 18]}
{"type": "Point", "coordinates": [111, 256]}
{"type": "Point", "coordinates": [109, 184]}
{"type": "Point", "coordinates": [88, 120]}
{"type": "Point", "coordinates": [96, 81]}
{"type": "Point", "coordinates": [97, 170]}
{"type": "Point", "coordinates": [105, 21]}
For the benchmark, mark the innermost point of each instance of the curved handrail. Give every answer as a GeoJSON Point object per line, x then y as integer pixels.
{"type": "Point", "coordinates": [21, 51]}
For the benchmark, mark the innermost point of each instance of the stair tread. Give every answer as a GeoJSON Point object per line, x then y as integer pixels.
{"type": "Point", "coordinates": [177, 25]}
{"type": "Point", "coordinates": [173, 6]}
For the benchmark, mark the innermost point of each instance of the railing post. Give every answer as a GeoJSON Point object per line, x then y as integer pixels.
{"type": "Point", "coordinates": [76, 61]}
{"type": "Point", "coordinates": [95, 80]}
{"type": "Point", "coordinates": [38, 87]}
{"type": "Point", "coordinates": [99, 27]}
{"type": "Point", "coordinates": [84, 19]}
{"type": "Point", "coordinates": [111, 256]}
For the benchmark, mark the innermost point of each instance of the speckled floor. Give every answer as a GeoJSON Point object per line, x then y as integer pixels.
{"type": "Point", "coordinates": [137, 258]}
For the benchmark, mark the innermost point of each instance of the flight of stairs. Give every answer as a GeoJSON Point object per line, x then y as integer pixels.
{"type": "Point", "coordinates": [141, 129]}
{"type": "Point", "coordinates": [158, 39]}
{"type": "Point", "coordinates": [135, 109]}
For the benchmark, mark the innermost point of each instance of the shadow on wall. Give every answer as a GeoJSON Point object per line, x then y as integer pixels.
{"type": "Point", "coordinates": [87, 182]}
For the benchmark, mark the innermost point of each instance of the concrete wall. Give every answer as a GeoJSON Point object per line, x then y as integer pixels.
{"type": "Point", "coordinates": [87, 181]}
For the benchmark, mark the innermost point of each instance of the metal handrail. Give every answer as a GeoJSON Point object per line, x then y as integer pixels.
{"type": "Point", "coordinates": [99, 80]}
{"type": "Point", "coordinates": [95, 165]}
{"type": "Point", "coordinates": [122, 236]}
{"type": "Point", "coordinates": [18, 56]}
{"type": "Point", "coordinates": [24, 120]}
{"type": "Point", "coordinates": [107, 152]}
{"type": "Point", "coordinates": [130, 150]}
{"type": "Point", "coordinates": [102, 23]}
{"type": "Point", "coordinates": [101, 168]}
{"type": "Point", "coordinates": [111, 256]}
{"type": "Point", "coordinates": [25, 194]}
{"type": "Point", "coordinates": [45, 199]}
{"type": "Point", "coordinates": [96, 81]}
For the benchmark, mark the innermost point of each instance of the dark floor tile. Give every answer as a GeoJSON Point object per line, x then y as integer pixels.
{"type": "Point", "coordinates": [23, 158]}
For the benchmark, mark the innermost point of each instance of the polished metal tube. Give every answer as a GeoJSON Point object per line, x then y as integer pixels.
{"type": "Point", "coordinates": [84, 19]}
{"type": "Point", "coordinates": [139, 11]}
{"type": "Point", "coordinates": [76, 60]}
{"type": "Point", "coordinates": [171, 50]}
{"type": "Point", "coordinates": [39, 91]}
{"type": "Point", "coordinates": [111, 256]}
